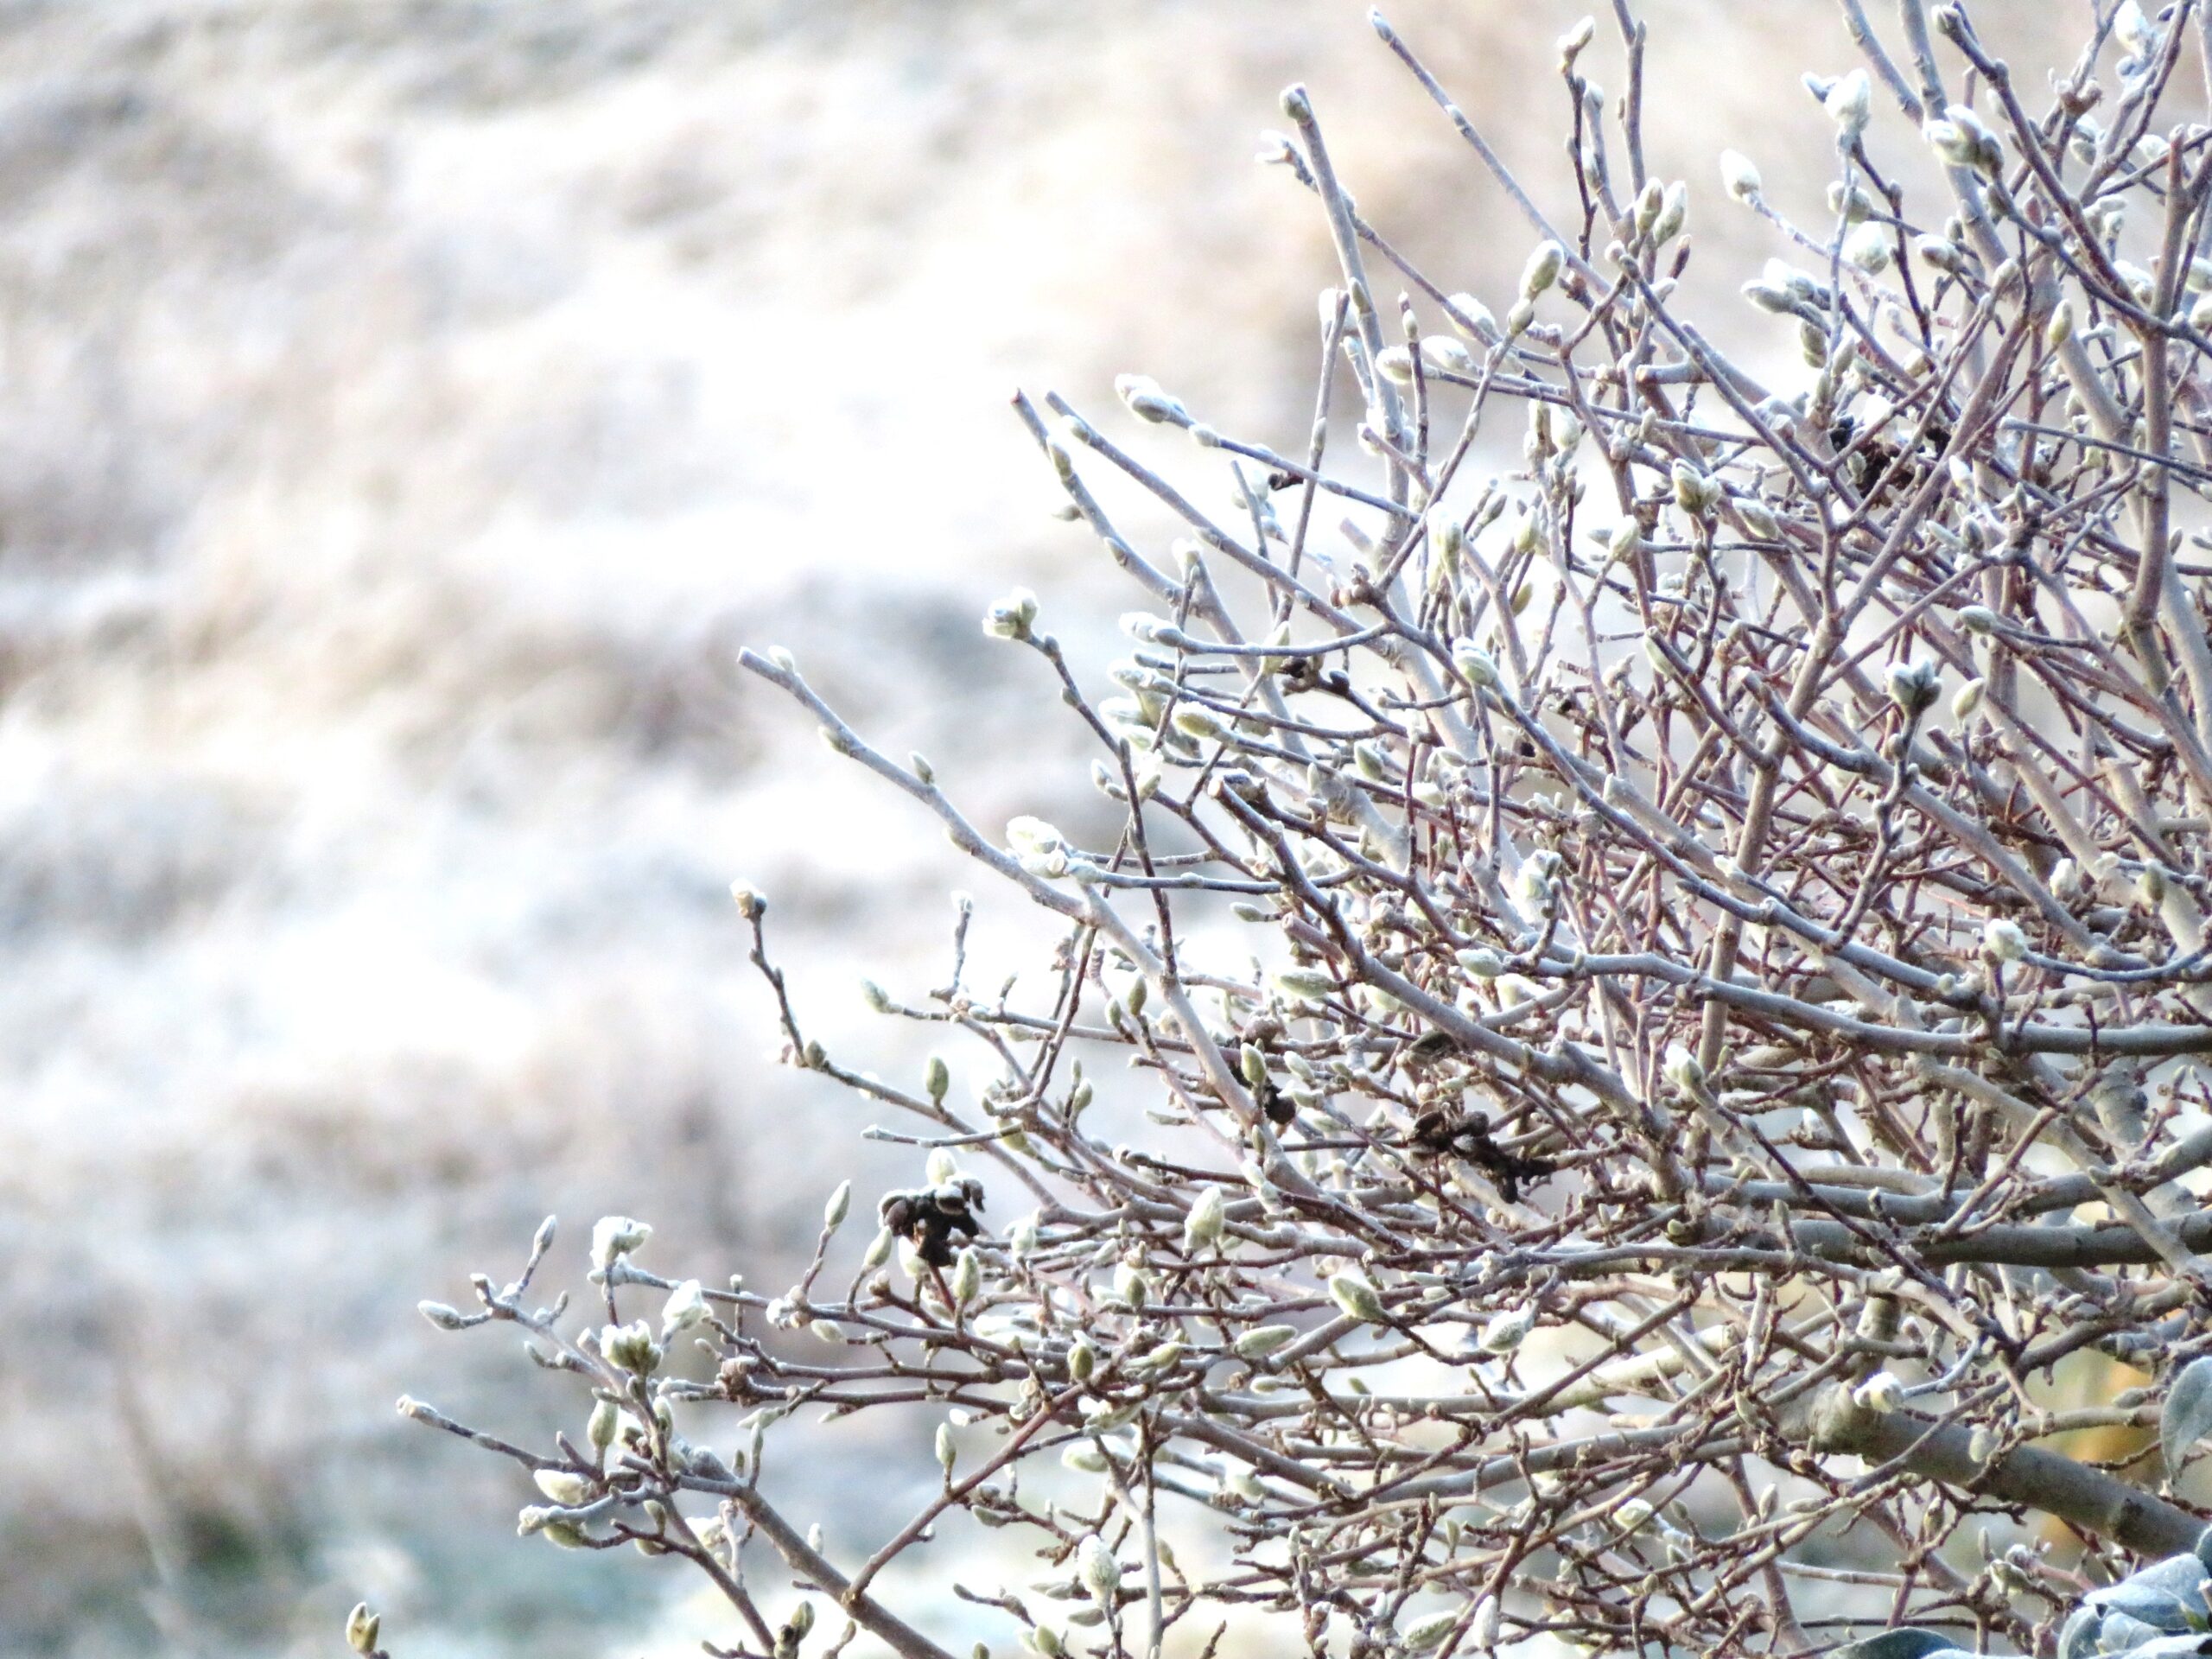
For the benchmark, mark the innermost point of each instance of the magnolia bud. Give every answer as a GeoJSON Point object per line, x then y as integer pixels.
{"type": "Point", "coordinates": [1943, 254]}
{"type": "Point", "coordinates": [840, 1204]}
{"type": "Point", "coordinates": [1083, 1359]}
{"type": "Point", "coordinates": [613, 1237]}
{"type": "Point", "coordinates": [1739, 177]}
{"type": "Point", "coordinates": [1484, 1631]}
{"type": "Point", "coordinates": [1508, 1331]}
{"type": "Point", "coordinates": [1475, 664]}
{"type": "Point", "coordinates": [1881, 1392]}
{"type": "Point", "coordinates": [632, 1347]}
{"type": "Point", "coordinates": [1100, 1573]}
{"type": "Point", "coordinates": [947, 1452]}
{"type": "Point", "coordinates": [1914, 686]}
{"type": "Point", "coordinates": [361, 1628]}
{"type": "Point", "coordinates": [599, 1428]}
{"type": "Point", "coordinates": [1443, 353]}
{"type": "Point", "coordinates": [1359, 1299]}
{"type": "Point", "coordinates": [1425, 1633]}
{"type": "Point", "coordinates": [564, 1486]}
{"type": "Point", "coordinates": [1305, 984]}
{"type": "Point", "coordinates": [1202, 1227]}
{"type": "Point", "coordinates": [1471, 317]}
{"type": "Point", "coordinates": [1011, 617]}
{"type": "Point", "coordinates": [686, 1307]}
{"type": "Point", "coordinates": [2003, 941]}
{"type": "Point", "coordinates": [1542, 269]}
{"type": "Point", "coordinates": [967, 1278]}
{"type": "Point", "coordinates": [878, 1251]}
{"type": "Point", "coordinates": [1262, 1340]}
{"type": "Point", "coordinates": [1850, 103]}
{"type": "Point", "coordinates": [1146, 401]}
{"type": "Point", "coordinates": [1131, 1288]}
{"type": "Point", "coordinates": [1868, 247]}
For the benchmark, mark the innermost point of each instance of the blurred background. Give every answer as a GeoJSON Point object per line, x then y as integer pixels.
{"type": "Point", "coordinates": [408, 407]}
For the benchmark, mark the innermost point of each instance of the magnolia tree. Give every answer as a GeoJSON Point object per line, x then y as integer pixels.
{"type": "Point", "coordinates": [1715, 905]}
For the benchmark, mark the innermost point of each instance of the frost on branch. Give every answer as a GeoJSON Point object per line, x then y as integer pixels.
{"type": "Point", "coordinates": [1719, 990]}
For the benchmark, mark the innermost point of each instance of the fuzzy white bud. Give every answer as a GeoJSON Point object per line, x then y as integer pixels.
{"type": "Point", "coordinates": [1359, 1298]}
{"type": "Point", "coordinates": [1739, 178]}
{"type": "Point", "coordinates": [1262, 1340]}
{"type": "Point", "coordinates": [1881, 1392]}
{"type": "Point", "coordinates": [2003, 941]}
{"type": "Point", "coordinates": [1850, 103]}
{"type": "Point", "coordinates": [1868, 247]}
{"type": "Point", "coordinates": [686, 1307]}
{"type": "Point", "coordinates": [564, 1486]}
{"type": "Point", "coordinates": [1010, 618]}
{"type": "Point", "coordinates": [1208, 1214]}
{"type": "Point", "coordinates": [1097, 1568]}
{"type": "Point", "coordinates": [1508, 1331]}
{"type": "Point", "coordinates": [613, 1237]}
{"type": "Point", "coordinates": [967, 1278]}
{"type": "Point", "coordinates": [1542, 269]}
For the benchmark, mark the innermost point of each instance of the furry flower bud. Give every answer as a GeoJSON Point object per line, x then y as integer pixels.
{"type": "Point", "coordinates": [1508, 1331]}
{"type": "Point", "coordinates": [1542, 269]}
{"type": "Point", "coordinates": [1011, 617]}
{"type": "Point", "coordinates": [1147, 401]}
{"type": "Point", "coordinates": [687, 1307]}
{"type": "Point", "coordinates": [632, 1347]}
{"type": "Point", "coordinates": [1261, 1340]}
{"type": "Point", "coordinates": [1914, 686]}
{"type": "Point", "coordinates": [614, 1236]}
{"type": "Point", "coordinates": [1202, 1227]}
{"type": "Point", "coordinates": [1881, 1392]}
{"type": "Point", "coordinates": [1739, 178]}
{"type": "Point", "coordinates": [1359, 1299]}
{"type": "Point", "coordinates": [1096, 1566]}
{"type": "Point", "coordinates": [361, 1629]}
{"type": "Point", "coordinates": [1850, 103]}
{"type": "Point", "coordinates": [1475, 664]}
{"type": "Point", "coordinates": [564, 1486]}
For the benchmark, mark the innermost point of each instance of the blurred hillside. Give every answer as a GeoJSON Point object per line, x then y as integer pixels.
{"type": "Point", "coordinates": [408, 406]}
